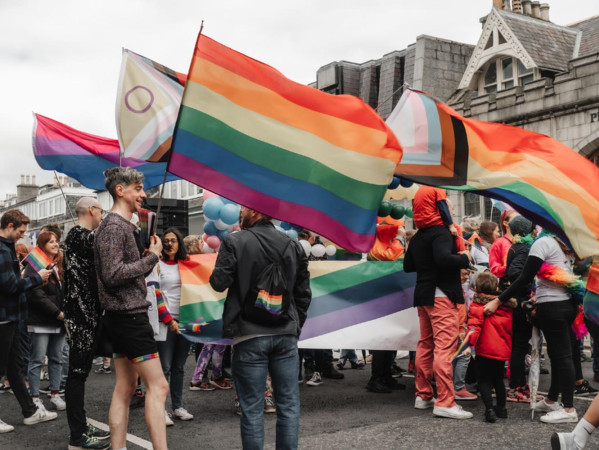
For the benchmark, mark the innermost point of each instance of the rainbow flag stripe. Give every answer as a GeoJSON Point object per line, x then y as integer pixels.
{"type": "Point", "coordinates": [144, 358]}
{"type": "Point", "coordinates": [290, 151]}
{"type": "Point", "coordinates": [37, 259]}
{"type": "Point", "coordinates": [344, 294]}
{"type": "Point", "coordinates": [84, 156]}
{"type": "Point", "coordinates": [544, 180]}
{"type": "Point", "coordinates": [590, 301]}
{"type": "Point", "coordinates": [271, 303]}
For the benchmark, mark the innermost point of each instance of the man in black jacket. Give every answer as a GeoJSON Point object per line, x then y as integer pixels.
{"type": "Point", "coordinates": [260, 347]}
{"type": "Point", "coordinates": [432, 253]}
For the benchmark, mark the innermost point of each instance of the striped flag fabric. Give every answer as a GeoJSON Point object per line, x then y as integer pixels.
{"type": "Point", "coordinates": [544, 180]}
{"type": "Point", "coordinates": [84, 156]}
{"type": "Point", "coordinates": [590, 301]}
{"type": "Point", "coordinates": [147, 105]}
{"type": "Point", "coordinates": [37, 259]}
{"type": "Point", "coordinates": [355, 304]}
{"type": "Point", "coordinates": [290, 151]}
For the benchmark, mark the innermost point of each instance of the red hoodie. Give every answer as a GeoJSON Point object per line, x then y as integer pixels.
{"type": "Point", "coordinates": [492, 336]}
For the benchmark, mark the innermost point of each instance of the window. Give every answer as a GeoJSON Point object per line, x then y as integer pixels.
{"type": "Point", "coordinates": [505, 73]}
{"type": "Point", "coordinates": [491, 78]}
{"type": "Point", "coordinates": [471, 204]}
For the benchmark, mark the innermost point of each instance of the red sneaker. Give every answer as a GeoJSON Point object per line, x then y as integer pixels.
{"type": "Point", "coordinates": [463, 394]}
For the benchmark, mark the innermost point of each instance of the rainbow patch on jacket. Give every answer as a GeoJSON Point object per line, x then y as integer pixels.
{"type": "Point", "coordinates": [270, 303]}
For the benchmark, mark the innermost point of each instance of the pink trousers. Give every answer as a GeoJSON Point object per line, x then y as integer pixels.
{"type": "Point", "coordinates": [438, 340]}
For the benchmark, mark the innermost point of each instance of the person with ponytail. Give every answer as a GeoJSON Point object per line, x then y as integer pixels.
{"type": "Point", "coordinates": [551, 261]}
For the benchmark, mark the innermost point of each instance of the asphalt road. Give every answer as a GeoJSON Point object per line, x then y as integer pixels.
{"type": "Point", "coordinates": [339, 414]}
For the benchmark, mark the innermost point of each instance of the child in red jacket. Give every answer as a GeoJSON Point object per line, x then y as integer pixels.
{"type": "Point", "coordinates": [491, 337]}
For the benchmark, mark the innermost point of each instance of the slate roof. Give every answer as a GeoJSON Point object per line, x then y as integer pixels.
{"type": "Point", "coordinates": [589, 44]}
{"type": "Point", "coordinates": [550, 46]}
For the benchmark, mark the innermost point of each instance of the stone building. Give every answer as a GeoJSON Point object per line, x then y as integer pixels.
{"type": "Point", "coordinates": [528, 72]}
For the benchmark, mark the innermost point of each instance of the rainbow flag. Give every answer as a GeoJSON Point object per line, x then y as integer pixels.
{"type": "Point", "coordinates": [355, 304]}
{"type": "Point", "coordinates": [147, 105]}
{"type": "Point", "coordinates": [37, 259]}
{"type": "Point", "coordinates": [287, 150]}
{"type": "Point", "coordinates": [549, 183]}
{"type": "Point", "coordinates": [84, 156]}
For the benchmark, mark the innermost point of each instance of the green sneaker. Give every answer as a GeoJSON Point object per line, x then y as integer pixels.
{"type": "Point", "coordinates": [88, 442]}
{"type": "Point", "coordinates": [96, 432]}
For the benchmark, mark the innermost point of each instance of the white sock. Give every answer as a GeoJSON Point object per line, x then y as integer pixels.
{"type": "Point", "coordinates": [582, 432]}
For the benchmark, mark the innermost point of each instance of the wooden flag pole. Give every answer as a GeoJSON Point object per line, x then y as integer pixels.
{"type": "Point", "coordinates": [155, 225]}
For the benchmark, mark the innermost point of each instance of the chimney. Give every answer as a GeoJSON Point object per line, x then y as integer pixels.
{"type": "Point", "coordinates": [27, 180]}
{"type": "Point", "coordinates": [517, 6]}
{"type": "Point", "coordinates": [22, 179]}
{"type": "Point", "coordinates": [33, 180]}
{"type": "Point", "coordinates": [527, 7]}
{"type": "Point", "coordinates": [536, 10]}
{"type": "Point", "coordinates": [498, 3]}
{"type": "Point", "coordinates": [545, 12]}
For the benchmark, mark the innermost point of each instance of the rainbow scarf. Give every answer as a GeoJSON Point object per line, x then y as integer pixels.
{"type": "Point", "coordinates": [295, 153]}
{"type": "Point", "coordinates": [37, 259]}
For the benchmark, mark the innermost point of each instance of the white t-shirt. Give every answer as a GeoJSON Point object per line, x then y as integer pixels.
{"type": "Point", "coordinates": [170, 285]}
{"type": "Point", "coordinates": [547, 249]}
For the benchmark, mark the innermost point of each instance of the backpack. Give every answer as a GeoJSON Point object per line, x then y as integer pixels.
{"type": "Point", "coordinates": [268, 302]}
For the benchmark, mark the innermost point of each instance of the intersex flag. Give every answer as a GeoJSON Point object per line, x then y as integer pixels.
{"type": "Point", "coordinates": [543, 179]}
{"type": "Point", "coordinates": [147, 105]}
{"type": "Point", "coordinates": [355, 304]}
{"type": "Point", "coordinates": [287, 150]}
{"type": "Point", "coordinates": [84, 156]}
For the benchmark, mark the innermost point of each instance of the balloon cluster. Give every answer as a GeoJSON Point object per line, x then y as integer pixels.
{"type": "Point", "coordinates": [387, 208]}
{"type": "Point", "coordinates": [289, 229]}
{"type": "Point", "coordinates": [222, 217]}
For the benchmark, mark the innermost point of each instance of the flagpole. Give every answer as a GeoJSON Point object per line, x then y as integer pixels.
{"type": "Point", "coordinates": [65, 199]}
{"type": "Point", "coordinates": [403, 86]}
{"type": "Point", "coordinates": [158, 208]}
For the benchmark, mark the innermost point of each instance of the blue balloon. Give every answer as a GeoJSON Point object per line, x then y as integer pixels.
{"type": "Point", "coordinates": [212, 208]}
{"type": "Point", "coordinates": [229, 214]}
{"type": "Point", "coordinates": [292, 234]}
{"type": "Point", "coordinates": [285, 225]}
{"type": "Point", "coordinates": [395, 183]}
{"type": "Point", "coordinates": [222, 234]}
{"type": "Point", "coordinates": [297, 228]}
{"type": "Point", "coordinates": [406, 183]}
{"type": "Point", "coordinates": [210, 229]}
{"type": "Point", "coordinates": [279, 228]}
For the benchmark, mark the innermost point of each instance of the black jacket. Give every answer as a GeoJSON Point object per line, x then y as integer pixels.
{"type": "Point", "coordinates": [516, 257]}
{"type": "Point", "coordinates": [240, 260]}
{"type": "Point", "coordinates": [43, 302]}
{"type": "Point", "coordinates": [432, 253]}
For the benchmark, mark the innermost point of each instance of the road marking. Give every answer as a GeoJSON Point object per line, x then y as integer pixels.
{"type": "Point", "coordinates": [130, 437]}
{"type": "Point", "coordinates": [588, 399]}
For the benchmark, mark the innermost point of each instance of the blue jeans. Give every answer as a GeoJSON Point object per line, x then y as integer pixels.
{"type": "Point", "coordinates": [173, 353]}
{"type": "Point", "coordinates": [348, 355]}
{"type": "Point", "coordinates": [460, 367]}
{"type": "Point", "coordinates": [253, 360]}
{"type": "Point", "coordinates": [43, 344]}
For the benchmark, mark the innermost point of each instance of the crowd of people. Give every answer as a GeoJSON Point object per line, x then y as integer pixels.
{"type": "Point", "coordinates": [474, 293]}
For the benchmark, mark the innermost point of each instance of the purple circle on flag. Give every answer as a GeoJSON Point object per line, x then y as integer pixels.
{"type": "Point", "coordinates": [139, 111]}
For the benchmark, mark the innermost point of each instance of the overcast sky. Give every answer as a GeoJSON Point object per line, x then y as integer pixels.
{"type": "Point", "coordinates": [62, 58]}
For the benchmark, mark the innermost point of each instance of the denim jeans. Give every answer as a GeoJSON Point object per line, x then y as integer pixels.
{"type": "Point", "coordinates": [43, 344]}
{"type": "Point", "coordinates": [173, 353]}
{"type": "Point", "coordinates": [253, 360]}
{"type": "Point", "coordinates": [460, 367]}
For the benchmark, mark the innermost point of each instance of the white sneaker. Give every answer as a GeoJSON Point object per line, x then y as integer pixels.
{"type": "Point", "coordinates": [58, 403]}
{"type": "Point", "coordinates": [38, 402]}
{"type": "Point", "coordinates": [41, 415]}
{"type": "Point", "coordinates": [182, 414]}
{"type": "Point", "coordinates": [542, 405]}
{"type": "Point", "coordinates": [563, 441]}
{"type": "Point", "coordinates": [167, 418]}
{"type": "Point", "coordinates": [454, 412]}
{"type": "Point", "coordinates": [5, 428]}
{"type": "Point", "coordinates": [560, 416]}
{"type": "Point", "coordinates": [420, 403]}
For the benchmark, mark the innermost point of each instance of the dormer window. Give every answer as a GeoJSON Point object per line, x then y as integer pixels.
{"type": "Point", "coordinates": [504, 73]}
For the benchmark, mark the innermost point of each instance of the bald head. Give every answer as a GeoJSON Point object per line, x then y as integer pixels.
{"type": "Point", "coordinates": [89, 212]}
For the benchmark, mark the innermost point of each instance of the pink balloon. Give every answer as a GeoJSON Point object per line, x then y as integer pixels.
{"type": "Point", "coordinates": [208, 194]}
{"type": "Point", "coordinates": [213, 242]}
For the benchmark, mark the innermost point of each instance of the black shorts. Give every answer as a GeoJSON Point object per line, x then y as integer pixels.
{"type": "Point", "coordinates": [131, 336]}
